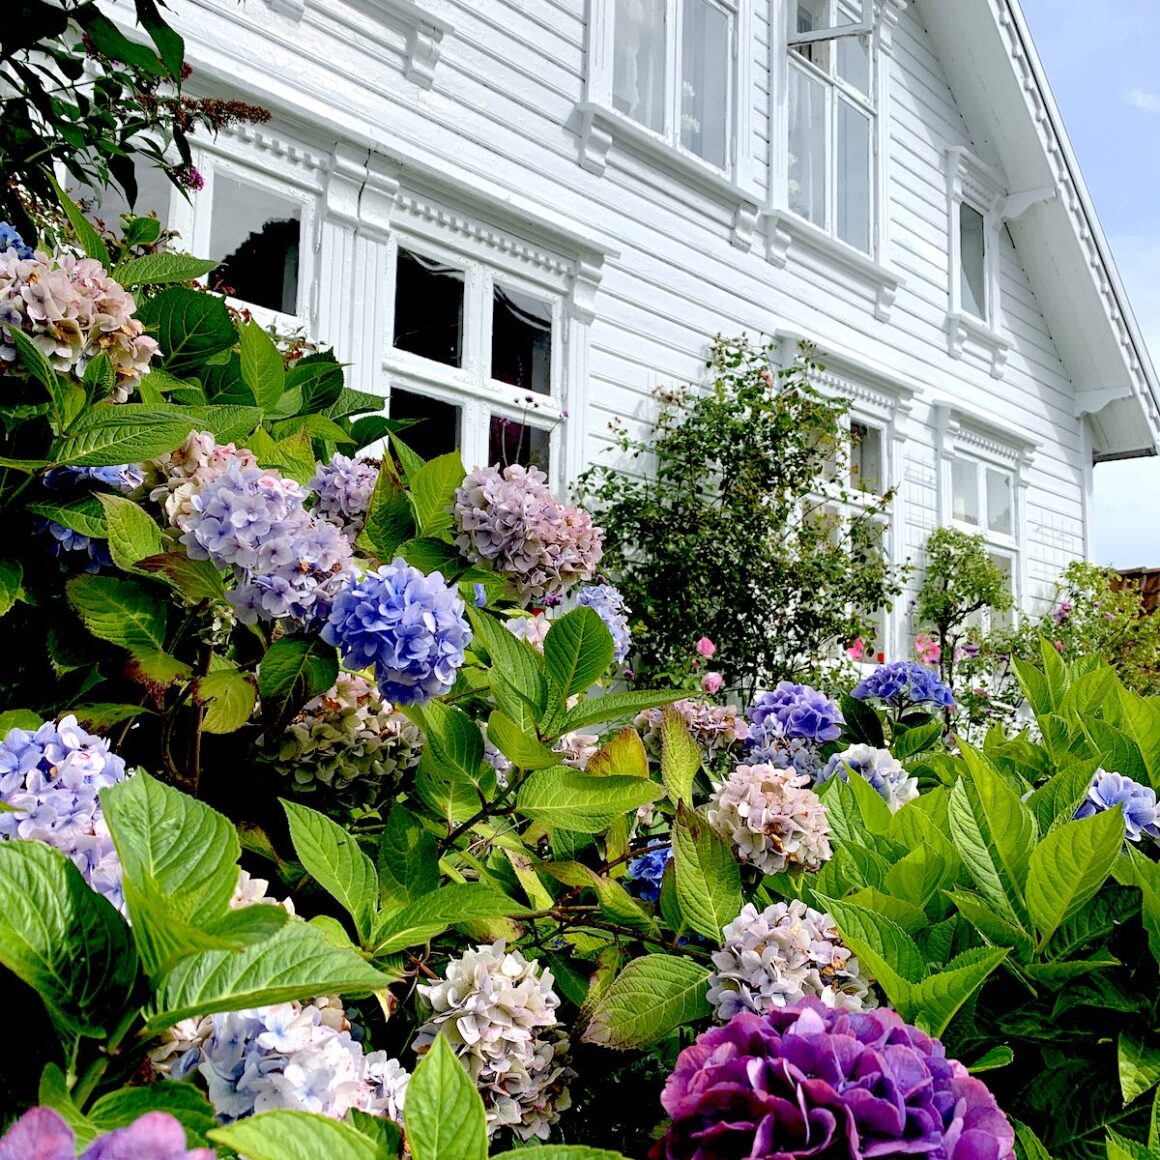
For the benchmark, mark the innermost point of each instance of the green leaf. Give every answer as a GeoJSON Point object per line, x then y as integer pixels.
{"type": "Point", "coordinates": [24, 719]}
{"type": "Point", "coordinates": [936, 1000]}
{"type": "Point", "coordinates": [515, 660]}
{"type": "Point", "coordinates": [578, 650]}
{"type": "Point", "coordinates": [191, 327]}
{"type": "Point", "coordinates": [1140, 719]}
{"type": "Point", "coordinates": [992, 1060]}
{"type": "Point", "coordinates": [1094, 922]}
{"type": "Point", "coordinates": [63, 939]}
{"type": "Point", "coordinates": [182, 1101]}
{"type": "Point", "coordinates": [624, 755]}
{"type": "Point", "coordinates": [994, 833]}
{"type": "Point", "coordinates": [1139, 1065]}
{"type": "Point", "coordinates": [919, 876]}
{"type": "Point", "coordinates": [862, 723]}
{"type": "Point", "coordinates": [916, 740]}
{"type": "Point", "coordinates": [1121, 1148]}
{"type": "Point", "coordinates": [390, 518]}
{"type": "Point", "coordinates": [445, 1115]}
{"type": "Point", "coordinates": [120, 611]}
{"type": "Point", "coordinates": [86, 233]}
{"type": "Point", "coordinates": [1060, 797]}
{"type": "Point", "coordinates": [287, 1135]}
{"type": "Point", "coordinates": [994, 927]}
{"type": "Point", "coordinates": [228, 697]}
{"type": "Point", "coordinates": [408, 858]}
{"type": "Point", "coordinates": [522, 749]}
{"type": "Point", "coordinates": [295, 963]}
{"type": "Point", "coordinates": [1034, 686]}
{"type": "Point", "coordinates": [294, 669]}
{"type": "Point", "coordinates": [262, 369]}
{"type": "Point", "coordinates": [562, 1152]}
{"type": "Point", "coordinates": [1069, 866]}
{"type": "Point", "coordinates": [433, 489]}
{"type": "Point", "coordinates": [650, 998]}
{"type": "Point", "coordinates": [333, 858]}
{"type": "Point", "coordinates": [132, 533]}
{"type": "Point", "coordinates": [708, 877]}
{"type": "Point", "coordinates": [680, 759]}
{"type": "Point", "coordinates": [155, 269]}
{"type": "Point", "coordinates": [432, 914]}
{"type": "Point", "coordinates": [196, 580]}
{"type": "Point", "coordinates": [573, 800]}
{"type": "Point", "coordinates": [54, 1093]}
{"type": "Point", "coordinates": [84, 515]}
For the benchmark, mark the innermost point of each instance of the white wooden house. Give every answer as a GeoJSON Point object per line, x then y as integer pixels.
{"type": "Point", "coordinates": [482, 202]}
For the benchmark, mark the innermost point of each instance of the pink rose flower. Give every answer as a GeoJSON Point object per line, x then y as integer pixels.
{"type": "Point", "coordinates": [706, 647]}
{"type": "Point", "coordinates": [927, 649]}
{"type": "Point", "coordinates": [712, 682]}
{"type": "Point", "coordinates": [857, 651]}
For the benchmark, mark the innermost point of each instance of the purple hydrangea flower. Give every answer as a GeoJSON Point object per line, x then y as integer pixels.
{"type": "Point", "coordinates": [344, 487]}
{"type": "Point", "coordinates": [901, 684]}
{"type": "Point", "coordinates": [11, 240]}
{"type": "Point", "coordinates": [127, 477]}
{"type": "Point", "coordinates": [796, 711]}
{"type": "Point", "coordinates": [408, 626]}
{"type": "Point", "coordinates": [645, 873]}
{"type": "Point", "coordinates": [811, 1081]}
{"type": "Point", "coordinates": [1141, 813]}
{"type": "Point", "coordinates": [608, 604]}
{"type": "Point", "coordinates": [479, 595]}
{"type": "Point", "coordinates": [65, 540]}
{"type": "Point", "coordinates": [42, 1134]}
{"type": "Point", "coordinates": [51, 780]}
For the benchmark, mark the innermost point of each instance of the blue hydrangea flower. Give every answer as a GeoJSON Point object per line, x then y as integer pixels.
{"type": "Point", "coordinates": [645, 873]}
{"type": "Point", "coordinates": [11, 240]}
{"type": "Point", "coordinates": [479, 593]}
{"type": "Point", "coordinates": [51, 779]}
{"type": "Point", "coordinates": [795, 711]}
{"type": "Point", "coordinates": [127, 477]}
{"type": "Point", "coordinates": [66, 540]}
{"type": "Point", "coordinates": [901, 684]}
{"type": "Point", "coordinates": [408, 626]}
{"type": "Point", "coordinates": [608, 604]}
{"type": "Point", "coordinates": [344, 487]}
{"type": "Point", "coordinates": [767, 747]}
{"type": "Point", "coordinates": [878, 767]}
{"type": "Point", "coordinates": [1141, 814]}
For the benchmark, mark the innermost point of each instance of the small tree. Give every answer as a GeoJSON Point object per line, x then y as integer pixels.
{"type": "Point", "coordinates": [733, 535]}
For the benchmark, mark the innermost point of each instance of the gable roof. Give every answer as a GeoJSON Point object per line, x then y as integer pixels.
{"type": "Point", "coordinates": [998, 80]}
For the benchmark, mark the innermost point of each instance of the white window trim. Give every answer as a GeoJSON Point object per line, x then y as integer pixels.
{"type": "Point", "coordinates": [969, 180]}
{"type": "Point", "coordinates": [785, 230]}
{"type": "Point", "coordinates": [962, 434]}
{"type": "Point", "coordinates": [602, 126]}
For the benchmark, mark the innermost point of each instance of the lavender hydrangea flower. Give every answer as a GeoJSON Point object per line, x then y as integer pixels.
{"type": "Point", "coordinates": [10, 239]}
{"type": "Point", "coordinates": [717, 729]}
{"type": "Point", "coordinates": [66, 542]}
{"type": "Point", "coordinates": [609, 605]}
{"type": "Point", "coordinates": [408, 626]}
{"type": "Point", "coordinates": [1138, 802]}
{"type": "Point", "coordinates": [51, 779]}
{"type": "Point", "coordinates": [902, 684]}
{"type": "Point", "coordinates": [808, 1080]}
{"type": "Point", "coordinates": [878, 767]}
{"type": "Point", "coordinates": [177, 477]}
{"type": "Point", "coordinates": [126, 478]}
{"type": "Point", "coordinates": [344, 487]}
{"type": "Point", "coordinates": [645, 873]}
{"type": "Point", "coordinates": [797, 711]}
{"type": "Point", "coordinates": [42, 1134]}
{"type": "Point", "coordinates": [511, 521]}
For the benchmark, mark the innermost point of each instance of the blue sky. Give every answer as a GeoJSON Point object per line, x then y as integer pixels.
{"type": "Point", "coordinates": [1103, 60]}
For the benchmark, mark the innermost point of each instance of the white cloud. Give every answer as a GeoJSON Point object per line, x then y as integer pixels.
{"type": "Point", "coordinates": [1140, 99]}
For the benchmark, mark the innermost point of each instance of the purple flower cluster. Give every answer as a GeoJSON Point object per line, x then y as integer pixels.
{"type": "Point", "coordinates": [286, 562]}
{"type": "Point", "coordinates": [407, 626]}
{"type": "Point", "coordinates": [808, 1080]}
{"type": "Point", "coordinates": [42, 1134]}
{"type": "Point", "coordinates": [50, 779]}
{"type": "Point", "coordinates": [127, 477]}
{"type": "Point", "coordinates": [511, 521]}
{"type": "Point", "coordinates": [608, 604]}
{"type": "Point", "coordinates": [10, 239]}
{"type": "Point", "coordinates": [645, 873]}
{"type": "Point", "coordinates": [1108, 790]}
{"type": "Point", "coordinates": [901, 684]}
{"type": "Point", "coordinates": [344, 487]}
{"type": "Point", "coordinates": [65, 540]}
{"type": "Point", "coordinates": [795, 711]}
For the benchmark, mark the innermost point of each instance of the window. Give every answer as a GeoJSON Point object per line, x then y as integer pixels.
{"type": "Point", "coordinates": [973, 260]}
{"type": "Point", "coordinates": [428, 308]}
{"type": "Point", "coordinates": [672, 71]}
{"type": "Point", "coordinates": [832, 118]}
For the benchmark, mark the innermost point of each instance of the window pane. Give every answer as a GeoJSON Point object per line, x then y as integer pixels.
{"type": "Point", "coordinates": [521, 341]}
{"type": "Point", "coordinates": [705, 80]}
{"type": "Point", "coordinates": [511, 441]}
{"type": "Point", "coordinates": [436, 428]}
{"type": "Point", "coordinates": [854, 62]}
{"type": "Point", "coordinates": [973, 261]}
{"type": "Point", "coordinates": [638, 70]}
{"type": "Point", "coordinates": [964, 491]}
{"type": "Point", "coordinates": [999, 502]}
{"type": "Point", "coordinates": [853, 176]}
{"type": "Point", "coordinates": [255, 235]}
{"type": "Point", "coordinates": [429, 308]}
{"type": "Point", "coordinates": [865, 457]}
{"type": "Point", "coordinates": [807, 146]}
{"type": "Point", "coordinates": [812, 16]}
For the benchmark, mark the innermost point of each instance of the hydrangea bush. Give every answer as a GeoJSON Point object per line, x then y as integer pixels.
{"type": "Point", "coordinates": [512, 889]}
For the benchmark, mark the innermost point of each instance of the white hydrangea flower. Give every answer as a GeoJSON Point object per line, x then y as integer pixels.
{"type": "Point", "coordinates": [251, 891]}
{"type": "Point", "coordinates": [884, 773]}
{"type": "Point", "coordinates": [773, 822]}
{"type": "Point", "coordinates": [497, 1010]}
{"type": "Point", "coordinates": [780, 955]}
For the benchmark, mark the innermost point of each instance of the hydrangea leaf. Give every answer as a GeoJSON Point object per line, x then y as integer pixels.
{"type": "Point", "coordinates": [25, 719]}
{"type": "Point", "coordinates": [708, 879]}
{"type": "Point", "coordinates": [390, 519]}
{"type": "Point", "coordinates": [572, 800]}
{"type": "Point", "coordinates": [408, 858]}
{"type": "Point", "coordinates": [11, 577]}
{"type": "Point", "coordinates": [191, 327]}
{"type": "Point", "coordinates": [624, 756]}
{"type": "Point", "coordinates": [680, 759]}
{"type": "Point", "coordinates": [84, 515]}
{"type": "Point", "coordinates": [1118, 751]}
{"type": "Point", "coordinates": [445, 1115]}
{"type": "Point", "coordinates": [431, 914]}
{"type": "Point", "coordinates": [433, 488]}
{"type": "Point", "coordinates": [431, 555]}
{"type": "Point", "coordinates": [86, 233]}
{"type": "Point", "coordinates": [918, 877]}
{"type": "Point", "coordinates": [292, 1135]}
{"type": "Point", "coordinates": [1138, 1063]}
{"type": "Point", "coordinates": [296, 963]}
{"type": "Point", "coordinates": [262, 369]}
{"type": "Point", "coordinates": [1030, 1147]}
{"type": "Point", "coordinates": [617, 904]}
{"type": "Point", "coordinates": [1062, 794]}
{"type": "Point", "coordinates": [120, 611]}
{"type": "Point", "coordinates": [562, 1152]}
{"type": "Point", "coordinates": [294, 669]}
{"type": "Point", "coordinates": [132, 534]}
{"type": "Point", "coordinates": [387, 1135]}
{"type": "Point", "coordinates": [54, 1093]}
{"type": "Point", "coordinates": [63, 939]}
{"type": "Point", "coordinates": [520, 665]}
{"type": "Point", "coordinates": [155, 269]}
{"type": "Point", "coordinates": [1112, 906]}
{"type": "Point", "coordinates": [196, 580]}
{"type": "Point", "coordinates": [1139, 718]}
{"type": "Point", "coordinates": [992, 925]}
{"type": "Point", "coordinates": [650, 998]}
{"type": "Point", "coordinates": [915, 740]}
{"type": "Point", "coordinates": [333, 858]}
{"type": "Point", "coordinates": [1121, 1148]}
{"type": "Point", "coordinates": [578, 650]}
{"type": "Point", "coordinates": [228, 697]}
{"type": "Point", "coordinates": [992, 1060]}
{"type": "Point", "coordinates": [522, 749]}
{"type": "Point", "coordinates": [937, 999]}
